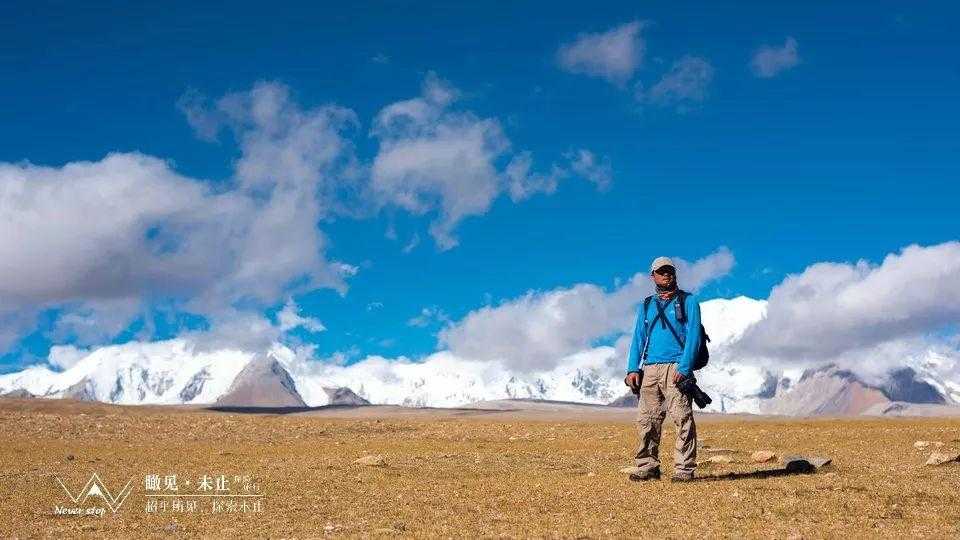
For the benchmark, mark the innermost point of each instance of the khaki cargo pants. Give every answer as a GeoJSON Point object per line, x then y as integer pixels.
{"type": "Point", "coordinates": [658, 396]}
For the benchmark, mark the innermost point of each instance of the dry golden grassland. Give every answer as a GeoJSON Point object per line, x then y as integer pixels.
{"type": "Point", "coordinates": [458, 473]}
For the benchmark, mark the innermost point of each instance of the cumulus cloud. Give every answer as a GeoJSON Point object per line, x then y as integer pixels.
{"type": "Point", "coordinates": [431, 157]}
{"type": "Point", "coordinates": [537, 329]}
{"type": "Point", "coordinates": [685, 84]}
{"type": "Point", "coordinates": [769, 61]}
{"type": "Point", "coordinates": [98, 230]}
{"type": "Point", "coordinates": [434, 158]}
{"type": "Point", "coordinates": [842, 311]}
{"type": "Point", "coordinates": [109, 240]}
{"type": "Point", "coordinates": [110, 236]}
{"type": "Point", "coordinates": [614, 55]}
{"type": "Point", "coordinates": [296, 167]}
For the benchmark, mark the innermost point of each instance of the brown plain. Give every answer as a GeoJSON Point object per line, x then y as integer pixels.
{"type": "Point", "coordinates": [455, 473]}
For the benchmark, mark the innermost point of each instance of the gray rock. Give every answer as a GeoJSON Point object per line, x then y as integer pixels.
{"type": "Point", "coordinates": [799, 465]}
{"type": "Point", "coordinates": [940, 458]}
{"type": "Point", "coordinates": [372, 461]}
{"type": "Point", "coordinates": [763, 456]}
{"type": "Point", "coordinates": [816, 461]}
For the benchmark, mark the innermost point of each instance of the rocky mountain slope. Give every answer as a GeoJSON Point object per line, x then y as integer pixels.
{"type": "Point", "coordinates": [263, 382]}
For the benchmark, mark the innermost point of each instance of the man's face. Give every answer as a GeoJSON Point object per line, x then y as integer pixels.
{"type": "Point", "coordinates": [665, 276]}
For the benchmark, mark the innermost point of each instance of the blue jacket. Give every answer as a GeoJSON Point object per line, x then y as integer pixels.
{"type": "Point", "coordinates": [663, 347]}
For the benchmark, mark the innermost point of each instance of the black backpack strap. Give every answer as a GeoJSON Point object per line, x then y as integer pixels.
{"type": "Point", "coordinates": [680, 307]}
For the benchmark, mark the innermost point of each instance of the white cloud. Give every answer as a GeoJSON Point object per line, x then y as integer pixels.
{"type": "Point", "coordinates": [523, 184]}
{"type": "Point", "coordinates": [841, 310]}
{"type": "Point", "coordinates": [289, 318]}
{"type": "Point", "coordinates": [97, 230]}
{"type": "Point", "coordinates": [109, 240]}
{"type": "Point", "coordinates": [614, 55]}
{"type": "Point", "coordinates": [769, 61]}
{"type": "Point", "coordinates": [238, 329]}
{"type": "Point", "coordinates": [429, 315]}
{"type": "Point", "coordinates": [592, 167]}
{"type": "Point", "coordinates": [108, 237]}
{"type": "Point", "coordinates": [412, 244]}
{"type": "Point", "coordinates": [294, 168]}
{"type": "Point", "coordinates": [433, 158]}
{"type": "Point", "coordinates": [686, 83]}
{"type": "Point", "coordinates": [95, 321]}
{"type": "Point", "coordinates": [65, 357]}
{"type": "Point", "coordinates": [540, 327]}
{"type": "Point", "coordinates": [695, 274]}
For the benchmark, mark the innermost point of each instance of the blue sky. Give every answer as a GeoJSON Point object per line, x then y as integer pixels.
{"type": "Point", "coordinates": [848, 154]}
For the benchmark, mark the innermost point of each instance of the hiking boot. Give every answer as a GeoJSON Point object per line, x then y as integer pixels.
{"type": "Point", "coordinates": [649, 474]}
{"type": "Point", "coordinates": [682, 477]}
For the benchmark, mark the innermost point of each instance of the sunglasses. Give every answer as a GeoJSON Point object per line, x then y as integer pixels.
{"type": "Point", "coordinates": [665, 271]}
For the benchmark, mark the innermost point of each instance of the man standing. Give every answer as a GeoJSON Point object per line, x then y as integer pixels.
{"type": "Point", "coordinates": [666, 338]}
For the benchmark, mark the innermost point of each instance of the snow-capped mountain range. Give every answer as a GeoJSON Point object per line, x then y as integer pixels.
{"type": "Point", "coordinates": [175, 372]}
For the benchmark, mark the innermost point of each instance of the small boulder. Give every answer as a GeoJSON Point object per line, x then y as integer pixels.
{"type": "Point", "coordinates": [799, 466]}
{"type": "Point", "coordinates": [762, 456]}
{"type": "Point", "coordinates": [720, 459]}
{"type": "Point", "coordinates": [920, 445]}
{"type": "Point", "coordinates": [817, 461]}
{"type": "Point", "coordinates": [939, 458]}
{"type": "Point", "coordinates": [372, 461]}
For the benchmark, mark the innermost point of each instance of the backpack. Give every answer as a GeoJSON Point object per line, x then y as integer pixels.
{"type": "Point", "coordinates": [702, 356]}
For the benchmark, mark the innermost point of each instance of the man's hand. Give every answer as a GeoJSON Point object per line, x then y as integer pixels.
{"type": "Point", "coordinates": [677, 377]}
{"type": "Point", "coordinates": [633, 381]}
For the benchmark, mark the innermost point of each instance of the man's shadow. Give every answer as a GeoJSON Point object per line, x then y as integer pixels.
{"type": "Point", "coordinates": [798, 466]}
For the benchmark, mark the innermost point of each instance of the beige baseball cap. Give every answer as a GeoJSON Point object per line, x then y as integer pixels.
{"type": "Point", "coordinates": [661, 262]}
